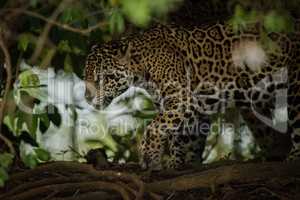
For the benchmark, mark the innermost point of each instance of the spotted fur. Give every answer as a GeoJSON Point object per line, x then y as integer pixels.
{"type": "Point", "coordinates": [195, 72]}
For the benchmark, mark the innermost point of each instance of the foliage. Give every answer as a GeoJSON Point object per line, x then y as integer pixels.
{"type": "Point", "coordinates": [63, 48]}
{"type": "Point", "coordinates": [6, 160]}
{"type": "Point", "coordinates": [272, 21]}
{"type": "Point", "coordinates": [38, 123]}
{"type": "Point", "coordinates": [32, 156]}
{"type": "Point", "coordinates": [65, 44]}
{"type": "Point", "coordinates": [91, 22]}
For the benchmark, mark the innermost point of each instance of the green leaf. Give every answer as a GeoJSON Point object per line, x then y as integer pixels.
{"type": "Point", "coordinates": [68, 67]}
{"type": "Point", "coordinates": [42, 154]}
{"type": "Point", "coordinates": [31, 122]}
{"type": "Point", "coordinates": [1, 182]}
{"type": "Point", "coordinates": [72, 14]}
{"type": "Point", "coordinates": [9, 121]}
{"type": "Point", "coordinates": [19, 126]}
{"type": "Point", "coordinates": [215, 127]}
{"type": "Point", "coordinates": [252, 16]}
{"type": "Point", "coordinates": [148, 104]}
{"type": "Point", "coordinates": [138, 11]}
{"type": "Point", "coordinates": [161, 7]}
{"type": "Point", "coordinates": [275, 22]}
{"type": "Point", "coordinates": [33, 3]}
{"type": "Point", "coordinates": [6, 159]}
{"type": "Point", "coordinates": [63, 46]}
{"type": "Point", "coordinates": [114, 2]}
{"type": "Point", "coordinates": [24, 40]}
{"type": "Point", "coordinates": [144, 114]}
{"type": "Point", "coordinates": [242, 18]}
{"type": "Point", "coordinates": [3, 174]}
{"type": "Point", "coordinates": [147, 109]}
{"type": "Point", "coordinates": [30, 160]}
{"type": "Point", "coordinates": [116, 22]}
{"type": "Point", "coordinates": [53, 115]}
{"type": "Point", "coordinates": [33, 126]}
{"type": "Point", "coordinates": [44, 122]}
{"type": "Point", "coordinates": [270, 22]}
{"type": "Point", "coordinates": [67, 15]}
{"type": "Point", "coordinates": [239, 12]}
{"type": "Point", "coordinates": [29, 79]}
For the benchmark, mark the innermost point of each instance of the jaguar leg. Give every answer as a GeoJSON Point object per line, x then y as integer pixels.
{"type": "Point", "coordinates": [172, 139]}
{"type": "Point", "coordinates": [185, 149]}
{"type": "Point", "coordinates": [154, 145]}
{"type": "Point", "coordinates": [151, 148]}
{"type": "Point", "coordinates": [294, 118]}
{"type": "Point", "coordinates": [294, 122]}
{"type": "Point", "coordinates": [177, 152]}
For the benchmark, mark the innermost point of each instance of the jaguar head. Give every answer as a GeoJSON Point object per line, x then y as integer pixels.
{"type": "Point", "coordinates": [106, 74]}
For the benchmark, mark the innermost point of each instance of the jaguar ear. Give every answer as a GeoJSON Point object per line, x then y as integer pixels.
{"type": "Point", "coordinates": [124, 54]}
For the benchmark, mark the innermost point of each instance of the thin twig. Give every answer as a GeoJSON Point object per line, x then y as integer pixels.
{"type": "Point", "coordinates": [43, 37]}
{"type": "Point", "coordinates": [8, 68]}
{"type": "Point", "coordinates": [67, 27]}
{"type": "Point", "coordinates": [84, 32]}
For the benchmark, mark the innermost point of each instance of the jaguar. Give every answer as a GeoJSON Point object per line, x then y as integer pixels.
{"type": "Point", "coordinates": [193, 72]}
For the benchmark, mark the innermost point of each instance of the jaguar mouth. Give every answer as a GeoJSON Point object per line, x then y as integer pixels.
{"type": "Point", "coordinates": [94, 96]}
{"type": "Point", "coordinates": [100, 102]}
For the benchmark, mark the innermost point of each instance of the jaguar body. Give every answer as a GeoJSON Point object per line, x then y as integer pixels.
{"type": "Point", "coordinates": [192, 73]}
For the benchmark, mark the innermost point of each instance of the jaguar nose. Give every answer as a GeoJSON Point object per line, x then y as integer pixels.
{"type": "Point", "coordinates": [90, 92]}
{"type": "Point", "coordinates": [88, 96]}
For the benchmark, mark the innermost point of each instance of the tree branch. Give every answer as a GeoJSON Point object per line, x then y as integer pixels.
{"type": "Point", "coordinates": [84, 32]}
{"type": "Point", "coordinates": [245, 172]}
{"type": "Point", "coordinates": [65, 178]}
{"type": "Point", "coordinates": [69, 187]}
{"type": "Point", "coordinates": [67, 27]}
{"type": "Point", "coordinates": [75, 167]}
{"type": "Point", "coordinates": [43, 37]}
{"type": "Point", "coordinates": [8, 68]}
